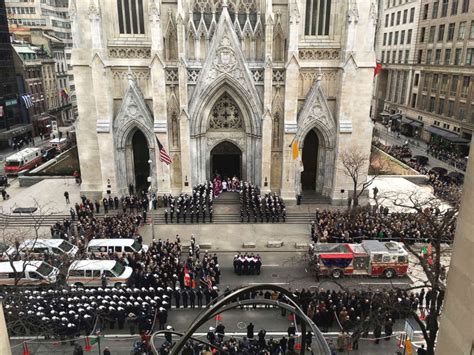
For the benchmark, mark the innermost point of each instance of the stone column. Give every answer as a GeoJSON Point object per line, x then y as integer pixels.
{"type": "Point", "coordinates": [355, 92]}
{"type": "Point", "coordinates": [183, 101]}
{"type": "Point", "coordinates": [289, 190]}
{"type": "Point", "coordinates": [102, 88]}
{"type": "Point", "coordinates": [267, 103]}
{"type": "Point", "coordinates": [457, 320]}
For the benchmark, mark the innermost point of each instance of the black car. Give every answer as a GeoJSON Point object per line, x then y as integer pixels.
{"type": "Point", "coordinates": [49, 153]}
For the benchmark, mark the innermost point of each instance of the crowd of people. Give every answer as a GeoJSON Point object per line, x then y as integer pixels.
{"type": "Point", "coordinates": [444, 186]}
{"type": "Point", "coordinates": [450, 156]}
{"type": "Point", "coordinates": [195, 207]}
{"type": "Point", "coordinates": [370, 222]}
{"type": "Point", "coordinates": [247, 264]}
{"type": "Point", "coordinates": [255, 207]}
{"type": "Point", "coordinates": [220, 185]}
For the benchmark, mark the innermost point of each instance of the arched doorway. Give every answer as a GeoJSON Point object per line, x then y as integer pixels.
{"type": "Point", "coordinates": [310, 161]}
{"type": "Point", "coordinates": [226, 160]}
{"type": "Point", "coordinates": [141, 155]}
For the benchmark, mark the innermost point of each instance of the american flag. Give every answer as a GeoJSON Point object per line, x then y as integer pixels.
{"type": "Point", "coordinates": [27, 100]}
{"type": "Point", "coordinates": [164, 157]}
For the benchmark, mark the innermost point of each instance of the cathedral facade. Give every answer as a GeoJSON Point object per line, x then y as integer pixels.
{"type": "Point", "coordinates": [227, 87]}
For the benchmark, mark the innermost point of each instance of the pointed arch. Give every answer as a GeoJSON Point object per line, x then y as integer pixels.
{"type": "Point", "coordinates": [173, 118]}
{"type": "Point", "coordinates": [278, 42]}
{"type": "Point", "coordinates": [277, 116]}
{"type": "Point", "coordinates": [133, 115]}
{"type": "Point", "coordinates": [316, 116]}
{"type": "Point", "coordinates": [171, 39]}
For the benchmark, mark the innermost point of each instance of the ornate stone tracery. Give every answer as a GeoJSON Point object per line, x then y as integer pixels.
{"type": "Point", "coordinates": [225, 114]}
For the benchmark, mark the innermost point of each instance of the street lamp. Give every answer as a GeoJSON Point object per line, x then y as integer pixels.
{"type": "Point", "coordinates": [150, 191]}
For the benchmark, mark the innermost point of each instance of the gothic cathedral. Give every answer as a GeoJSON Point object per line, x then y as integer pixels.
{"type": "Point", "coordinates": [226, 87]}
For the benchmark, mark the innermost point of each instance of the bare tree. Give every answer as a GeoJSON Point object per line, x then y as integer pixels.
{"type": "Point", "coordinates": [355, 165]}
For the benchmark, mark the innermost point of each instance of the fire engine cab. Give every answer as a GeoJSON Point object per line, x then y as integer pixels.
{"type": "Point", "coordinates": [371, 258]}
{"type": "Point", "coordinates": [26, 159]}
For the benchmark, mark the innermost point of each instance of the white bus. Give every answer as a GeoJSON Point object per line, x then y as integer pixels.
{"type": "Point", "coordinates": [29, 273]}
{"type": "Point", "coordinates": [115, 245]}
{"type": "Point", "coordinates": [89, 273]}
{"type": "Point", "coordinates": [44, 246]}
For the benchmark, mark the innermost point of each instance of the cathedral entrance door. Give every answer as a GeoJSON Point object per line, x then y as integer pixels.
{"type": "Point", "coordinates": [226, 160]}
{"type": "Point", "coordinates": [310, 161]}
{"type": "Point", "coordinates": [141, 167]}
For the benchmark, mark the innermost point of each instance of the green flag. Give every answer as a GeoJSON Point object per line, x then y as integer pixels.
{"type": "Point", "coordinates": [94, 340]}
{"type": "Point", "coordinates": [424, 250]}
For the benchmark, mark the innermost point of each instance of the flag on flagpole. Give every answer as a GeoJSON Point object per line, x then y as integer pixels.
{"type": "Point", "coordinates": [64, 94]}
{"type": "Point", "coordinates": [27, 100]}
{"type": "Point", "coordinates": [295, 149]}
{"type": "Point", "coordinates": [378, 68]}
{"type": "Point", "coordinates": [1, 111]}
{"type": "Point", "coordinates": [164, 157]}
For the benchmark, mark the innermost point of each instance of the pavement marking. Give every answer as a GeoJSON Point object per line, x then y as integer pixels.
{"type": "Point", "coordinates": [270, 265]}
{"type": "Point", "coordinates": [111, 336]}
{"type": "Point", "coordinates": [269, 283]}
{"type": "Point", "coordinates": [384, 283]}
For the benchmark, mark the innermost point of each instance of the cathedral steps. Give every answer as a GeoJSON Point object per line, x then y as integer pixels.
{"type": "Point", "coordinates": [227, 198]}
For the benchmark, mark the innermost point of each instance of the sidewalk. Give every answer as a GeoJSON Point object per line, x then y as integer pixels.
{"type": "Point", "coordinates": [419, 148]}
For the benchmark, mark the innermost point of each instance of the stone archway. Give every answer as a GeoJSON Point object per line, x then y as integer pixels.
{"type": "Point", "coordinates": [226, 160]}
{"type": "Point", "coordinates": [133, 116]}
{"type": "Point", "coordinates": [310, 161]}
{"type": "Point", "coordinates": [141, 166]}
{"type": "Point", "coordinates": [226, 115]}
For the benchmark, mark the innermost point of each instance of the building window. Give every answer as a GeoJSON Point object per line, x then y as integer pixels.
{"type": "Point", "coordinates": [419, 56]}
{"type": "Point", "coordinates": [425, 11]}
{"type": "Point", "coordinates": [432, 34]}
{"type": "Point", "coordinates": [441, 33]}
{"type": "Point", "coordinates": [461, 30]}
{"type": "Point", "coordinates": [447, 56]}
{"type": "Point", "coordinates": [412, 14]}
{"type": "Point", "coordinates": [432, 103]}
{"type": "Point", "coordinates": [388, 56]}
{"type": "Point", "coordinates": [450, 108]}
{"type": "Point", "coordinates": [434, 13]}
{"type": "Point", "coordinates": [402, 37]}
{"type": "Point", "coordinates": [466, 81]}
{"type": "Point", "coordinates": [441, 107]}
{"type": "Point", "coordinates": [461, 111]}
{"type": "Point", "coordinates": [390, 35]}
{"type": "Point", "coordinates": [386, 20]}
{"type": "Point", "coordinates": [405, 16]}
{"type": "Point", "coordinates": [392, 19]}
{"type": "Point", "coordinates": [451, 31]}
{"type": "Point", "coordinates": [130, 16]}
{"type": "Point", "coordinates": [318, 14]}
{"type": "Point", "coordinates": [454, 85]}
{"type": "Point", "coordinates": [407, 55]}
{"type": "Point", "coordinates": [444, 8]}
{"type": "Point", "coordinates": [454, 7]}
{"type": "Point", "coordinates": [384, 39]}
{"type": "Point", "coordinates": [422, 34]}
{"type": "Point", "coordinates": [437, 56]}
{"type": "Point", "coordinates": [400, 56]}
{"type": "Point", "coordinates": [383, 56]}
{"type": "Point", "coordinates": [399, 16]}
{"type": "Point", "coordinates": [469, 56]}
{"type": "Point", "coordinates": [434, 86]}
{"type": "Point", "coordinates": [409, 36]}
{"type": "Point", "coordinates": [395, 38]}
{"type": "Point", "coordinates": [471, 31]}
{"type": "Point", "coordinates": [465, 6]}
{"type": "Point", "coordinates": [429, 54]}
{"type": "Point", "coordinates": [458, 56]}
{"type": "Point", "coordinates": [417, 79]}
{"type": "Point", "coordinates": [394, 56]}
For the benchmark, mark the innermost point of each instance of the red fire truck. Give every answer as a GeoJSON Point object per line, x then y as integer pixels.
{"type": "Point", "coordinates": [26, 159]}
{"type": "Point", "coordinates": [371, 258]}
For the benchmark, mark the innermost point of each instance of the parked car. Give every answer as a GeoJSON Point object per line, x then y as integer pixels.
{"type": "Point", "coordinates": [49, 153]}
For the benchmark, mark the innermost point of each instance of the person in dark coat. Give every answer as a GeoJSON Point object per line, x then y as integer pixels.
{"type": "Point", "coordinates": [250, 333]}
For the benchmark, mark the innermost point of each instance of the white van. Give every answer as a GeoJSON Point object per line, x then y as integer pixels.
{"type": "Point", "coordinates": [117, 245]}
{"type": "Point", "coordinates": [30, 273]}
{"type": "Point", "coordinates": [89, 273]}
{"type": "Point", "coordinates": [44, 246]}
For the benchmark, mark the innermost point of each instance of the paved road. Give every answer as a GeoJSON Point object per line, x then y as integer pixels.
{"type": "Point", "coordinates": [418, 148]}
